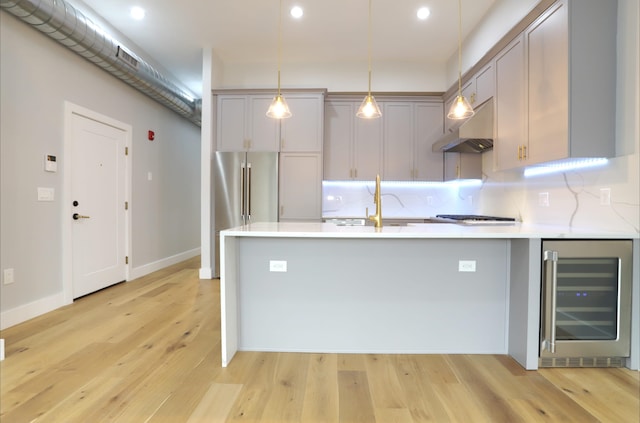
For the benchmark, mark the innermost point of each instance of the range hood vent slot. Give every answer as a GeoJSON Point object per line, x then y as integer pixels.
{"type": "Point", "coordinates": [474, 135]}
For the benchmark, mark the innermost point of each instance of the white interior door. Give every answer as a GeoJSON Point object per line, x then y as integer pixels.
{"type": "Point", "coordinates": [98, 195]}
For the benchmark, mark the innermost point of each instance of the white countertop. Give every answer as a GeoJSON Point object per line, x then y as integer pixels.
{"type": "Point", "coordinates": [418, 231]}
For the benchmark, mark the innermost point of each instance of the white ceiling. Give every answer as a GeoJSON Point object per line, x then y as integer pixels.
{"type": "Point", "coordinates": [174, 33]}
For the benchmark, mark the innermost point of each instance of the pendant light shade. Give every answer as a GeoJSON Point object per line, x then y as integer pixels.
{"type": "Point", "coordinates": [279, 109]}
{"type": "Point", "coordinates": [369, 108]}
{"type": "Point", "coordinates": [460, 109]}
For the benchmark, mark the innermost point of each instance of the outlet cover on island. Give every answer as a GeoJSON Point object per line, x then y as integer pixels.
{"type": "Point", "coordinates": [277, 265]}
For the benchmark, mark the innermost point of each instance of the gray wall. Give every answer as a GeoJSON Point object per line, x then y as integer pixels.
{"type": "Point", "coordinates": [37, 76]}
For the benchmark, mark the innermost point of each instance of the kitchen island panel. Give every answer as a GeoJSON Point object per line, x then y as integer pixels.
{"type": "Point", "coordinates": [364, 295]}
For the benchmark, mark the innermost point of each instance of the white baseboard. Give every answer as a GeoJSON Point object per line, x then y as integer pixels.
{"type": "Point", "coordinates": [29, 311]}
{"type": "Point", "coordinates": [145, 269]}
{"type": "Point", "coordinates": [206, 273]}
{"type": "Point", "coordinates": [36, 308]}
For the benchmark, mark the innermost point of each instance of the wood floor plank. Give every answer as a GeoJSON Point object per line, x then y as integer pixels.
{"type": "Point", "coordinates": [214, 406]}
{"type": "Point", "coordinates": [355, 402]}
{"type": "Point", "coordinates": [321, 390]}
{"type": "Point", "coordinates": [149, 351]}
{"type": "Point", "coordinates": [384, 385]}
{"type": "Point", "coordinates": [287, 390]}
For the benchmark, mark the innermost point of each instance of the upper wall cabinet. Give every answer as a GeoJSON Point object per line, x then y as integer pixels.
{"type": "Point", "coordinates": [571, 87]}
{"type": "Point", "coordinates": [302, 132]}
{"type": "Point", "coordinates": [478, 89]}
{"type": "Point", "coordinates": [242, 123]}
{"type": "Point", "coordinates": [352, 146]}
{"type": "Point", "coordinates": [397, 146]}
{"type": "Point", "coordinates": [410, 128]}
{"type": "Point", "coordinates": [510, 106]}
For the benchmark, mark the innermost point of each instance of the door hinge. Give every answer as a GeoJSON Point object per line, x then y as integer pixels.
{"type": "Point", "coordinates": [126, 205]}
{"type": "Point", "coordinates": [126, 259]}
{"type": "Point", "coordinates": [126, 151]}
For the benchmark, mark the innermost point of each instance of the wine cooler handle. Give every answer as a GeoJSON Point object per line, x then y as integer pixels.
{"type": "Point", "coordinates": [551, 287]}
{"type": "Point", "coordinates": [249, 183]}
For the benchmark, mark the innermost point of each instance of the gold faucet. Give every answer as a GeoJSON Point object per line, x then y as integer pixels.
{"type": "Point", "coordinates": [376, 218]}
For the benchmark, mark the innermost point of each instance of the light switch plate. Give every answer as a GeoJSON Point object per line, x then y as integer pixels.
{"type": "Point", "coordinates": [46, 194]}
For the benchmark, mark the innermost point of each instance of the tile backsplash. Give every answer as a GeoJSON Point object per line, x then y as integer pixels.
{"type": "Point", "coordinates": [605, 197]}
{"type": "Point", "coordinates": [399, 199]}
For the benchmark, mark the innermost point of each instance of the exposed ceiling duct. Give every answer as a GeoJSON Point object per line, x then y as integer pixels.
{"type": "Point", "coordinates": [70, 27]}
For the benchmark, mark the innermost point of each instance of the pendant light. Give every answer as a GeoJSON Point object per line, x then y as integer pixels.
{"type": "Point", "coordinates": [369, 108]}
{"type": "Point", "coordinates": [460, 109]}
{"type": "Point", "coordinates": [279, 108]}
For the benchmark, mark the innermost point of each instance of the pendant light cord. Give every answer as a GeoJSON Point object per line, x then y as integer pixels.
{"type": "Point", "coordinates": [459, 47]}
{"type": "Point", "coordinates": [369, 36]}
{"type": "Point", "coordinates": [279, 44]}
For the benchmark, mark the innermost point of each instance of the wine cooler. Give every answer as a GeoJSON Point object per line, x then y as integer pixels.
{"type": "Point", "coordinates": [585, 303]}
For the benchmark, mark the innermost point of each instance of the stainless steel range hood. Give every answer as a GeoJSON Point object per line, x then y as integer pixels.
{"type": "Point", "coordinates": [474, 135]}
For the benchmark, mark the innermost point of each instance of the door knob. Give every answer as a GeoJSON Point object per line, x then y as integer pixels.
{"type": "Point", "coordinates": [77, 216]}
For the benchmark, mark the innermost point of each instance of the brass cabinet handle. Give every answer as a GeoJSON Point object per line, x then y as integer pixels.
{"type": "Point", "coordinates": [77, 216]}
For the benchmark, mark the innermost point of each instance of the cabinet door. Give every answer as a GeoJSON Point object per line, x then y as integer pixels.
{"type": "Point", "coordinates": [300, 186]}
{"type": "Point", "coordinates": [367, 148]}
{"type": "Point", "coordinates": [263, 132]}
{"type": "Point", "coordinates": [398, 163]}
{"type": "Point", "coordinates": [303, 130]}
{"type": "Point", "coordinates": [429, 128]}
{"type": "Point", "coordinates": [462, 166]}
{"type": "Point", "coordinates": [548, 90]}
{"type": "Point", "coordinates": [231, 123]}
{"type": "Point", "coordinates": [510, 101]}
{"type": "Point", "coordinates": [339, 132]}
{"type": "Point", "coordinates": [485, 84]}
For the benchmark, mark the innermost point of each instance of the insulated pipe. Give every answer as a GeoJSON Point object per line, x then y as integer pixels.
{"type": "Point", "coordinates": [70, 27]}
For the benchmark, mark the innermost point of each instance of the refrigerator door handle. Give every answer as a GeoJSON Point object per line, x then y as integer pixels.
{"type": "Point", "coordinates": [248, 192]}
{"type": "Point", "coordinates": [551, 288]}
{"type": "Point", "coordinates": [243, 178]}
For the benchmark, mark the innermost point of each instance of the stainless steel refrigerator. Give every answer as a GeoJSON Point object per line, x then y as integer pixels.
{"type": "Point", "coordinates": [245, 190]}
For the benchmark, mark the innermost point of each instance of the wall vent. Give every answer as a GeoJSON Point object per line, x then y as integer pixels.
{"type": "Point", "coordinates": [126, 58]}
{"type": "Point", "coordinates": [582, 362]}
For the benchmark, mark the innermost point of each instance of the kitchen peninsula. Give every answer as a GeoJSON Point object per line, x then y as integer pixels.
{"type": "Point", "coordinates": [414, 289]}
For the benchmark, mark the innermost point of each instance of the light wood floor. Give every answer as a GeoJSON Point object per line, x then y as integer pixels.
{"type": "Point", "coordinates": [149, 351]}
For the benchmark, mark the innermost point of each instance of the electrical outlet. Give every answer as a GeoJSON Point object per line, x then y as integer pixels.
{"type": "Point", "coordinates": [277, 266]}
{"type": "Point", "coordinates": [543, 199]}
{"type": "Point", "coordinates": [429, 200]}
{"type": "Point", "coordinates": [605, 196]}
{"type": "Point", "coordinates": [8, 276]}
{"type": "Point", "coordinates": [466, 266]}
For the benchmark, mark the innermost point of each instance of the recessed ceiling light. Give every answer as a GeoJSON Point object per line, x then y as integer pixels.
{"type": "Point", "coordinates": [297, 12]}
{"type": "Point", "coordinates": [423, 13]}
{"type": "Point", "coordinates": [137, 13]}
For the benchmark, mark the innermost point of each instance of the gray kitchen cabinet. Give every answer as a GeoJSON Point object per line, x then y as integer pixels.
{"type": "Point", "coordinates": [410, 128]}
{"type": "Point", "coordinates": [352, 146]}
{"type": "Point", "coordinates": [477, 90]}
{"type": "Point", "coordinates": [429, 127]}
{"type": "Point", "coordinates": [242, 124]}
{"type": "Point", "coordinates": [303, 131]}
{"type": "Point", "coordinates": [510, 141]}
{"type": "Point", "coordinates": [571, 83]}
{"type": "Point", "coordinates": [397, 146]}
{"type": "Point", "coordinates": [399, 143]}
{"type": "Point", "coordinates": [462, 166]}
{"type": "Point", "coordinates": [300, 186]}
